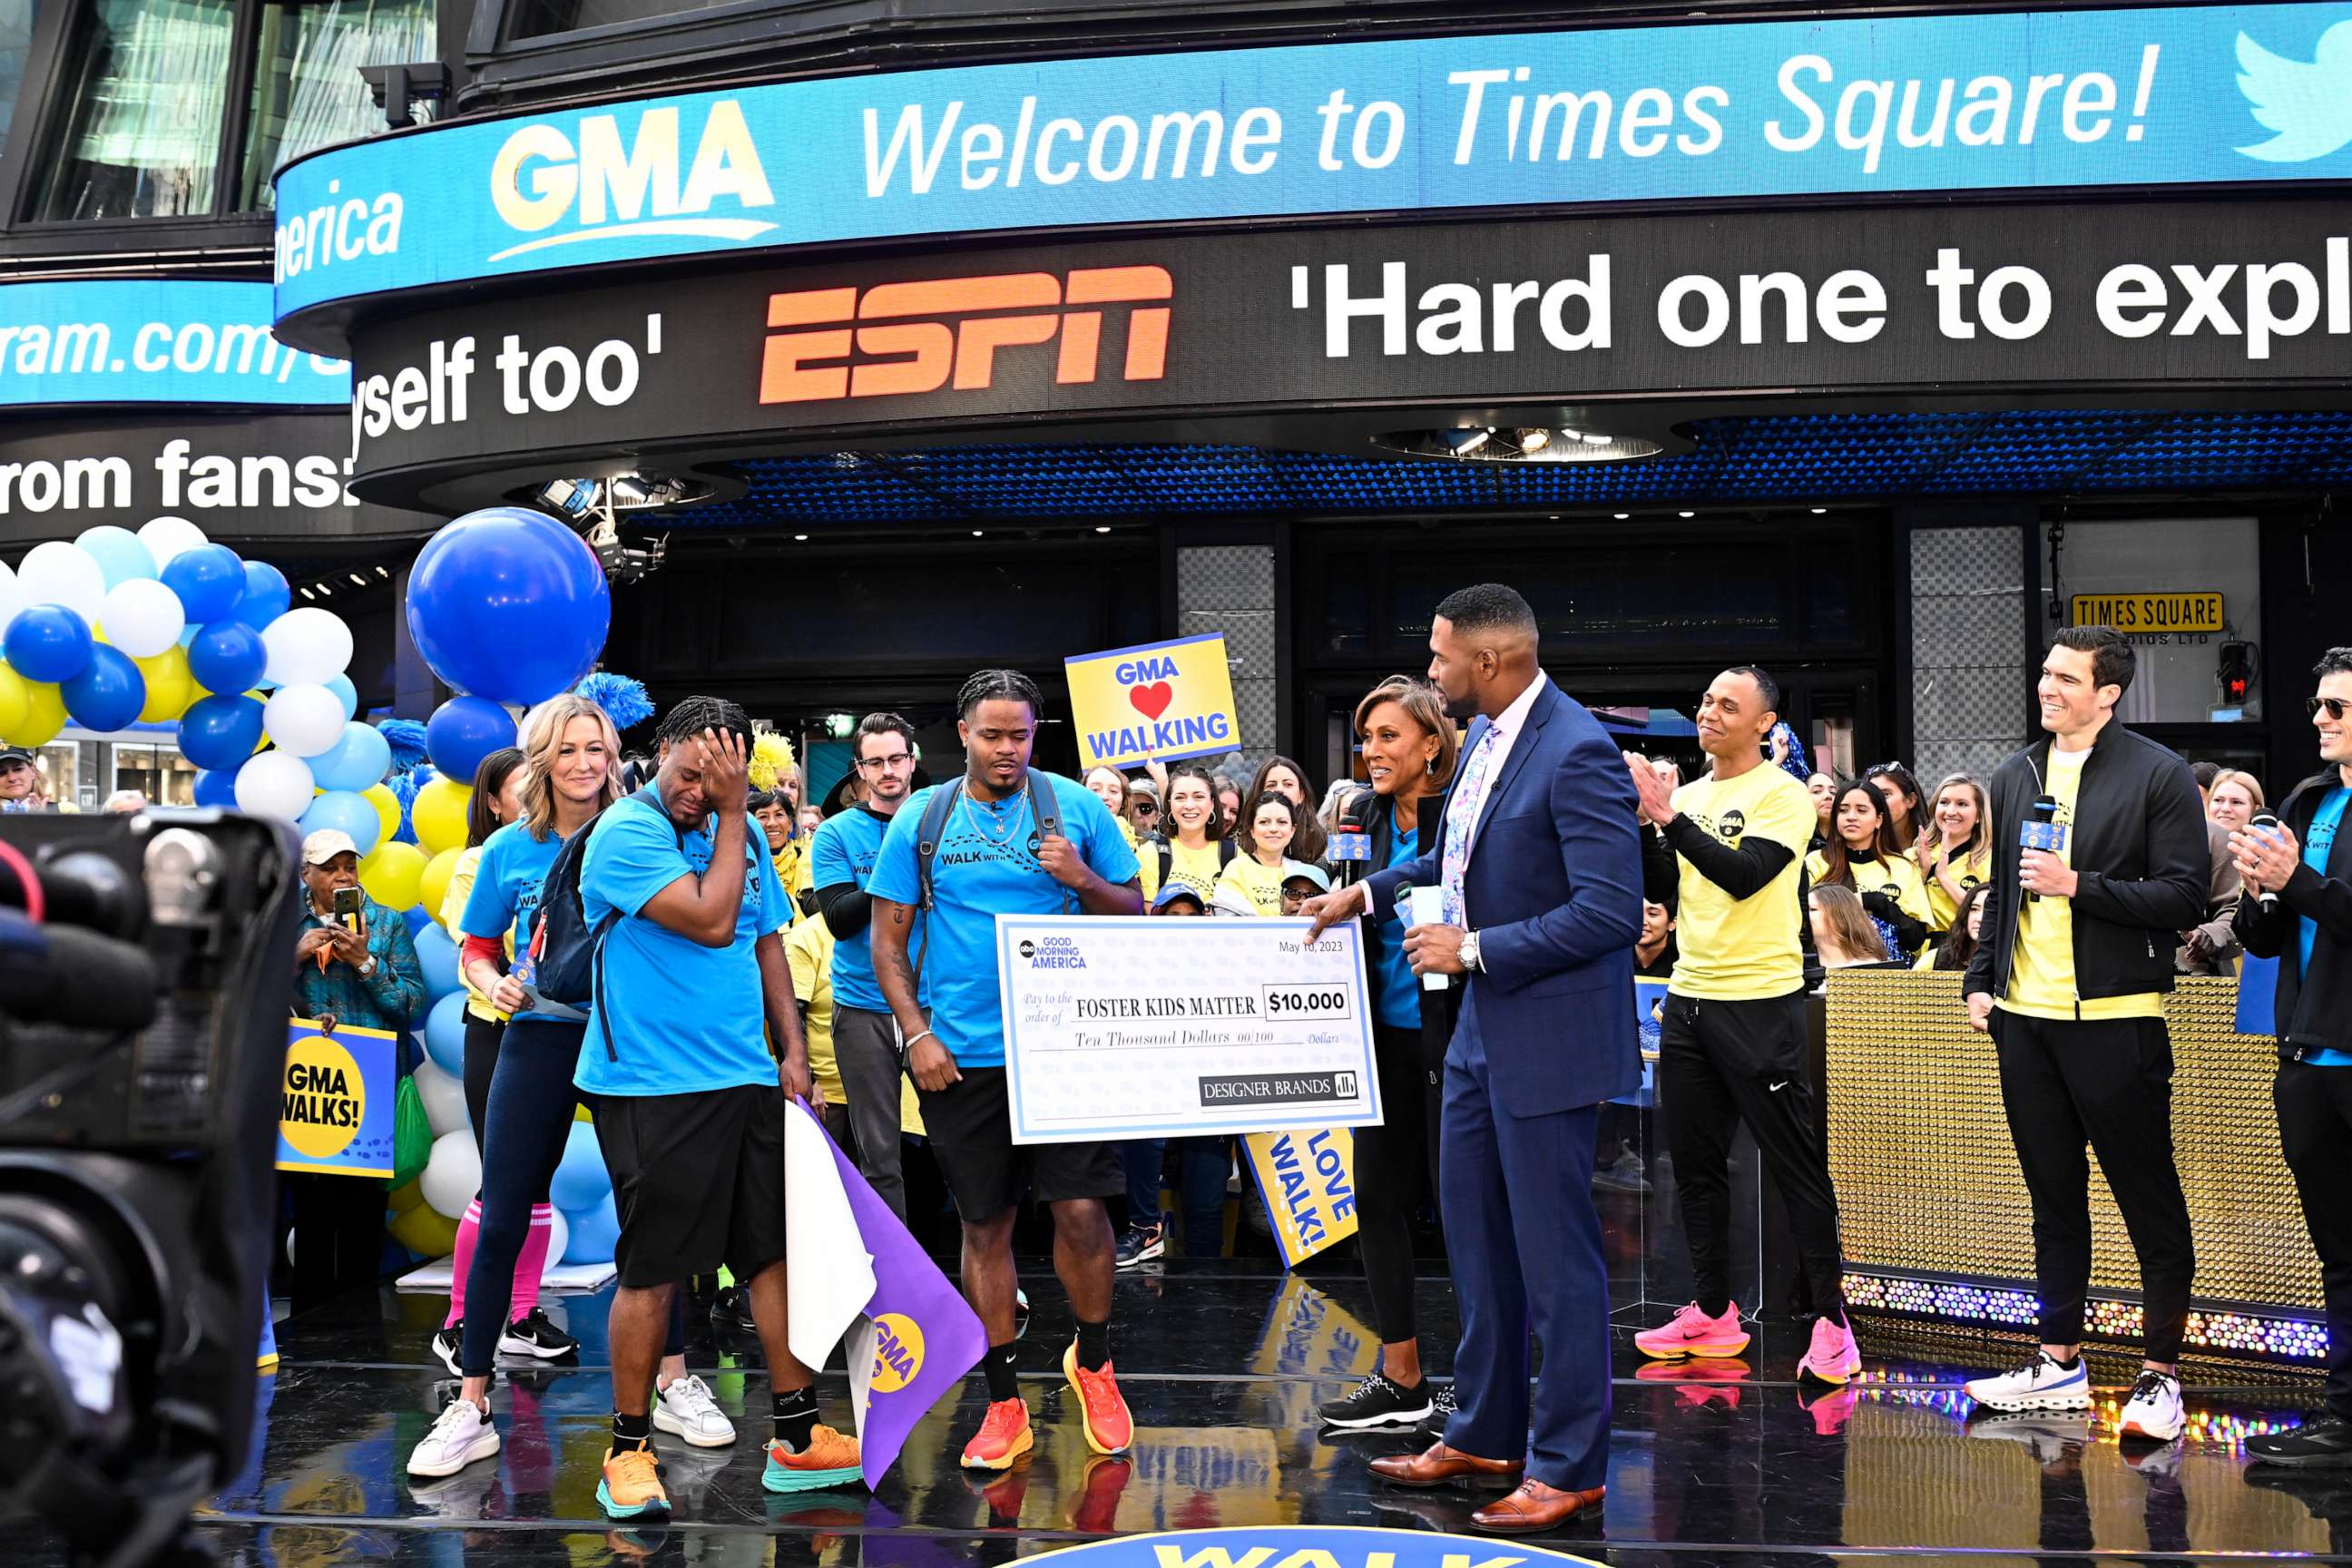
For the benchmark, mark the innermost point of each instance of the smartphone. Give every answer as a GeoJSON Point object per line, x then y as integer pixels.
{"type": "Point", "coordinates": [347, 910]}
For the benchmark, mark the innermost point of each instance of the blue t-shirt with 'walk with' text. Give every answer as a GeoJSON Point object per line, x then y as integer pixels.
{"type": "Point", "coordinates": [506, 884]}
{"type": "Point", "coordinates": [844, 851]}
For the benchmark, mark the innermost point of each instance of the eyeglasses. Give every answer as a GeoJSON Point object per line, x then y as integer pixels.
{"type": "Point", "coordinates": [2334, 706]}
{"type": "Point", "coordinates": [1146, 808]}
{"type": "Point", "coordinates": [883, 764]}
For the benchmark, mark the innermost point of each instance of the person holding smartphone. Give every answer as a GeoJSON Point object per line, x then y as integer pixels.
{"type": "Point", "coordinates": [354, 963]}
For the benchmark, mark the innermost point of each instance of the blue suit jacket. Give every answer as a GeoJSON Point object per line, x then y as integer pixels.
{"type": "Point", "coordinates": [1554, 890]}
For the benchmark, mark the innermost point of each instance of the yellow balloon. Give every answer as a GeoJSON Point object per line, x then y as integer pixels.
{"type": "Point", "coordinates": [425, 1233]}
{"type": "Point", "coordinates": [388, 809]}
{"type": "Point", "coordinates": [407, 1197]}
{"type": "Point", "coordinates": [393, 876]}
{"type": "Point", "coordinates": [439, 815]}
{"type": "Point", "coordinates": [45, 715]}
{"type": "Point", "coordinates": [436, 886]}
{"type": "Point", "coordinates": [16, 700]}
{"type": "Point", "coordinates": [170, 688]}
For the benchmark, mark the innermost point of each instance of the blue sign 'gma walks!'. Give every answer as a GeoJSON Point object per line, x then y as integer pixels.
{"type": "Point", "coordinates": [2060, 99]}
{"type": "Point", "coordinates": [1305, 1546]}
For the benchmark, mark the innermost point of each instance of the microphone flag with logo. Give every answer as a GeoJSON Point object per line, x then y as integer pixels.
{"type": "Point", "coordinates": [912, 1336]}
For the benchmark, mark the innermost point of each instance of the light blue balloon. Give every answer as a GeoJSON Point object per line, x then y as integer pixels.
{"type": "Point", "coordinates": [343, 811]}
{"type": "Point", "coordinates": [121, 554]}
{"type": "Point", "coordinates": [594, 1232]}
{"type": "Point", "coordinates": [357, 761]}
{"type": "Point", "coordinates": [341, 686]}
{"type": "Point", "coordinates": [438, 954]}
{"type": "Point", "coordinates": [444, 1037]}
{"type": "Point", "coordinates": [580, 1178]}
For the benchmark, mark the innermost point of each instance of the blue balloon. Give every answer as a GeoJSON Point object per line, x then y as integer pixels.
{"type": "Point", "coordinates": [341, 686]}
{"type": "Point", "coordinates": [357, 761]}
{"type": "Point", "coordinates": [462, 732]}
{"type": "Point", "coordinates": [217, 787]}
{"type": "Point", "coordinates": [227, 657]}
{"type": "Point", "coordinates": [267, 595]}
{"type": "Point", "coordinates": [444, 1035]}
{"type": "Point", "coordinates": [438, 954]}
{"type": "Point", "coordinates": [209, 580]}
{"type": "Point", "coordinates": [509, 604]}
{"type": "Point", "coordinates": [417, 919]}
{"type": "Point", "coordinates": [220, 731]}
{"type": "Point", "coordinates": [341, 811]}
{"type": "Point", "coordinates": [121, 554]}
{"type": "Point", "coordinates": [580, 1179]}
{"type": "Point", "coordinates": [48, 642]}
{"type": "Point", "coordinates": [109, 694]}
{"type": "Point", "coordinates": [594, 1232]}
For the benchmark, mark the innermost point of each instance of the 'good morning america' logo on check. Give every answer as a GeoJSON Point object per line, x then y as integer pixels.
{"type": "Point", "coordinates": [1052, 952]}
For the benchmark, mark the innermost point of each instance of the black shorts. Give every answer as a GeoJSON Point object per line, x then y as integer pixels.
{"type": "Point", "coordinates": [699, 1180]}
{"type": "Point", "coordinates": [969, 1125]}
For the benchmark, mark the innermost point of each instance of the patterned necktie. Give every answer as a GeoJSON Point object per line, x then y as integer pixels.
{"type": "Point", "coordinates": [1468, 796]}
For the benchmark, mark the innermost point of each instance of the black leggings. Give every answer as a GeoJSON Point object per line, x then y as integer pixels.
{"type": "Point", "coordinates": [1395, 1163]}
{"type": "Point", "coordinates": [482, 1037]}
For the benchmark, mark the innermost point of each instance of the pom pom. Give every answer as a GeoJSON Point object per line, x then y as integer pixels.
{"type": "Point", "coordinates": [772, 759]}
{"type": "Point", "coordinates": [407, 739]}
{"type": "Point", "coordinates": [404, 785]}
{"type": "Point", "coordinates": [623, 701]}
{"type": "Point", "coordinates": [1795, 761]}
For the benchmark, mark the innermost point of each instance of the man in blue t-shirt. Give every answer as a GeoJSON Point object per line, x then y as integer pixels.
{"type": "Point", "coordinates": [993, 857]}
{"type": "Point", "coordinates": [2297, 908]}
{"type": "Point", "coordinates": [690, 983]}
{"type": "Point", "coordinates": [841, 864]}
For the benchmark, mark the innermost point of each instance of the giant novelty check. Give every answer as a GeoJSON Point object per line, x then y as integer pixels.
{"type": "Point", "coordinates": [1151, 1028]}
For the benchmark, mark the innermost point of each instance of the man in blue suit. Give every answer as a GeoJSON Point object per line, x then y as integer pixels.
{"type": "Point", "coordinates": [1539, 863]}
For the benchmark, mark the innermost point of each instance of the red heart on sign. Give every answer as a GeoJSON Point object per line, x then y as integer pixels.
{"type": "Point", "coordinates": [1151, 700]}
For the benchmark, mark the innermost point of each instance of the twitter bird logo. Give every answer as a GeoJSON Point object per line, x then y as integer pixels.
{"type": "Point", "coordinates": [2308, 105]}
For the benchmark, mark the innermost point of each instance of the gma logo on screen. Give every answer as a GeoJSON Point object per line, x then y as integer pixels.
{"type": "Point", "coordinates": [610, 190]}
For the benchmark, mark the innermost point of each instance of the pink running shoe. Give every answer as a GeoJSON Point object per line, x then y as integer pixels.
{"type": "Point", "coordinates": [1832, 1357]}
{"type": "Point", "coordinates": [1690, 1331]}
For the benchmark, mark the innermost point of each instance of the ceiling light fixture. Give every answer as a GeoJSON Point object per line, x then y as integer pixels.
{"type": "Point", "coordinates": [1521, 443]}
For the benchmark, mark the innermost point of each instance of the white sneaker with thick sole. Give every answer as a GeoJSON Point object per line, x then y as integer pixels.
{"type": "Point", "coordinates": [687, 1410]}
{"type": "Point", "coordinates": [462, 1434]}
{"type": "Point", "coordinates": [2153, 1411]}
{"type": "Point", "coordinates": [2040, 1385]}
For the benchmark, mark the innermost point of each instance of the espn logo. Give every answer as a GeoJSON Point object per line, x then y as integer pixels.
{"type": "Point", "coordinates": [920, 337]}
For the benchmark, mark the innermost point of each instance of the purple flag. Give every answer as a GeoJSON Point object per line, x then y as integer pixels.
{"type": "Point", "coordinates": [920, 1336]}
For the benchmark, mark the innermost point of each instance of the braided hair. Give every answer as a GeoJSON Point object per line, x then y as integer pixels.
{"type": "Point", "coordinates": [691, 716]}
{"type": "Point", "coordinates": [999, 686]}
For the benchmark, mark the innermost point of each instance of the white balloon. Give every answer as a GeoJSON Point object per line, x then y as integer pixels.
{"type": "Point", "coordinates": [444, 1099]}
{"type": "Point", "coordinates": [165, 537]}
{"type": "Point", "coordinates": [275, 783]}
{"type": "Point", "coordinates": [306, 720]}
{"type": "Point", "coordinates": [452, 1174]}
{"type": "Point", "coordinates": [307, 646]}
{"type": "Point", "coordinates": [61, 573]}
{"type": "Point", "coordinates": [141, 618]}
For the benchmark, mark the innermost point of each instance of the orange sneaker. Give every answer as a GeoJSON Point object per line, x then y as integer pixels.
{"type": "Point", "coordinates": [830, 1459]}
{"type": "Point", "coordinates": [1110, 1428]}
{"type": "Point", "coordinates": [1002, 1438]}
{"type": "Point", "coordinates": [631, 1484]}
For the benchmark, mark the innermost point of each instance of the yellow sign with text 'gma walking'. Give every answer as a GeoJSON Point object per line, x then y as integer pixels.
{"type": "Point", "coordinates": [1158, 702]}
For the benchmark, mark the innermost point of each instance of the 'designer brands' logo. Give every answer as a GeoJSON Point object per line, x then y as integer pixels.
{"type": "Point", "coordinates": [542, 177]}
{"type": "Point", "coordinates": [897, 338]}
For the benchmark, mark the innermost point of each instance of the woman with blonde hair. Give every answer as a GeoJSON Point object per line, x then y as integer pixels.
{"type": "Point", "coordinates": [1957, 852]}
{"type": "Point", "coordinates": [2234, 798]}
{"type": "Point", "coordinates": [1843, 934]}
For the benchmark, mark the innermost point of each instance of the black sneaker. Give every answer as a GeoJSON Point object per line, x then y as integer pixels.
{"type": "Point", "coordinates": [1141, 1243]}
{"type": "Point", "coordinates": [532, 1335]}
{"type": "Point", "coordinates": [2323, 1443]}
{"type": "Point", "coordinates": [1440, 1410]}
{"type": "Point", "coordinates": [1378, 1404]}
{"type": "Point", "coordinates": [731, 1311]}
{"type": "Point", "coordinates": [449, 1344]}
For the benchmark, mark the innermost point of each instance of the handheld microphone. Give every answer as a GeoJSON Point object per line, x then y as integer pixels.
{"type": "Point", "coordinates": [2042, 831]}
{"type": "Point", "coordinates": [1351, 849]}
{"type": "Point", "coordinates": [2265, 823]}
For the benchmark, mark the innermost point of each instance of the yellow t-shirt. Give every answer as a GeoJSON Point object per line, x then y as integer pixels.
{"type": "Point", "coordinates": [1969, 871]}
{"type": "Point", "coordinates": [1196, 869]}
{"type": "Point", "coordinates": [453, 911]}
{"type": "Point", "coordinates": [794, 873]}
{"type": "Point", "coordinates": [1261, 884]}
{"type": "Point", "coordinates": [1897, 877]}
{"type": "Point", "coordinates": [1742, 950]}
{"type": "Point", "coordinates": [2042, 977]}
{"type": "Point", "coordinates": [808, 948]}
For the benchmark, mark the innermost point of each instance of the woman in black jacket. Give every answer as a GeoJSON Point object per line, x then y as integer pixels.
{"type": "Point", "coordinates": [1409, 747]}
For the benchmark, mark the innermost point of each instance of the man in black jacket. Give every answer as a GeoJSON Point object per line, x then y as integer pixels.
{"type": "Point", "coordinates": [2297, 908]}
{"type": "Point", "coordinates": [2079, 931]}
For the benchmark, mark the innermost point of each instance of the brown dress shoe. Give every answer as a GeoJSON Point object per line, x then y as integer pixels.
{"type": "Point", "coordinates": [1536, 1506]}
{"type": "Point", "coordinates": [1438, 1466]}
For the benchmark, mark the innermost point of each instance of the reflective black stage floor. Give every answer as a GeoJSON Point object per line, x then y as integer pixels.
{"type": "Point", "coordinates": [1223, 1365]}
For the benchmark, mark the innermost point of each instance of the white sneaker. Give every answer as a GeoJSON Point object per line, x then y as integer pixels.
{"type": "Point", "coordinates": [2154, 1410]}
{"type": "Point", "coordinates": [2040, 1385]}
{"type": "Point", "coordinates": [687, 1410]}
{"type": "Point", "coordinates": [462, 1434]}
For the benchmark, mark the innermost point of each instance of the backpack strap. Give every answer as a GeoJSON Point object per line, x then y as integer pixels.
{"type": "Point", "coordinates": [928, 833]}
{"type": "Point", "coordinates": [1045, 803]}
{"type": "Point", "coordinates": [1227, 851]}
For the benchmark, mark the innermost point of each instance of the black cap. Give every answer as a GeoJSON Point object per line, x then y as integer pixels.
{"type": "Point", "coordinates": [15, 755]}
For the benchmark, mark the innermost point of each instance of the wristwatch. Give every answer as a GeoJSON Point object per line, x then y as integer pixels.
{"type": "Point", "coordinates": [369, 967]}
{"type": "Point", "coordinates": [1470, 953]}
